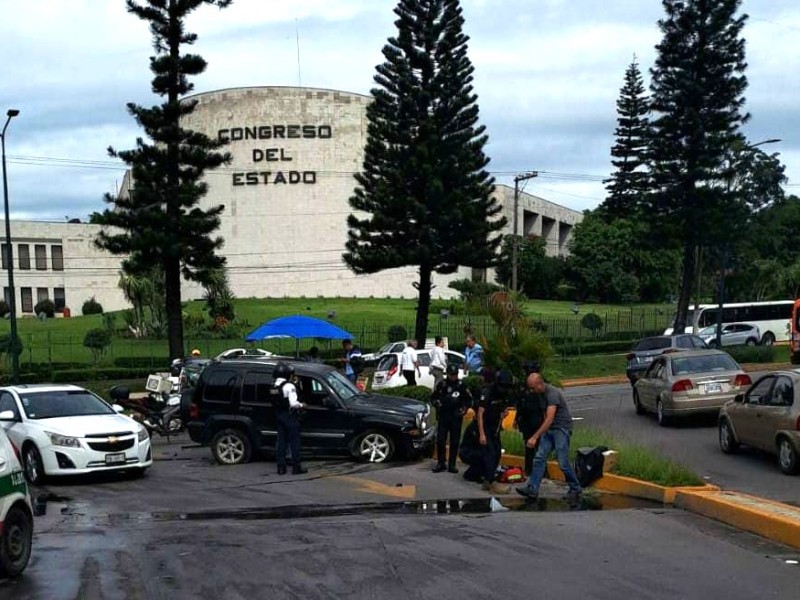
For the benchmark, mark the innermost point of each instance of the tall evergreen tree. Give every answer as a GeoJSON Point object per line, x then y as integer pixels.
{"type": "Point", "coordinates": [630, 180]}
{"type": "Point", "coordinates": [424, 185]}
{"type": "Point", "coordinates": [697, 88]}
{"type": "Point", "coordinates": [159, 222]}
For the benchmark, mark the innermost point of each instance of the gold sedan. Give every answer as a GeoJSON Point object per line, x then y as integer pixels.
{"type": "Point", "coordinates": [687, 383]}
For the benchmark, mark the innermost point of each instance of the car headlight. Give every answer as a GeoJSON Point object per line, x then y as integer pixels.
{"type": "Point", "coordinates": [422, 421]}
{"type": "Point", "coordinates": [143, 435]}
{"type": "Point", "coordinates": [57, 439]}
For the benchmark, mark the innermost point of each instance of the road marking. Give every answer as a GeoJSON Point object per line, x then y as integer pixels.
{"type": "Point", "coordinates": [368, 486]}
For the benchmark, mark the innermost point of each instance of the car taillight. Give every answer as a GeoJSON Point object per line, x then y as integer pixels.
{"type": "Point", "coordinates": [684, 385]}
{"type": "Point", "coordinates": [194, 411]}
{"type": "Point", "coordinates": [391, 372]}
{"type": "Point", "coordinates": [742, 379]}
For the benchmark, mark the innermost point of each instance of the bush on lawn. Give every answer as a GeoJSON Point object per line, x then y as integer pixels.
{"type": "Point", "coordinates": [92, 307]}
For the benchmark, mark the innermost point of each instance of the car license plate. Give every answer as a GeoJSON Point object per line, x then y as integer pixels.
{"type": "Point", "coordinates": [378, 378]}
{"type": "Point", "coordinates": [115, 459]}
{"type": "Point", "coordinates": [713, 388]}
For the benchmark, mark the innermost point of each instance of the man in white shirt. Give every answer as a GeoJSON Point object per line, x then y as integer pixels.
{"type": "Point", "coordinates": [409, 363]}
{"type": "Point", "coordinates": [438, 361]}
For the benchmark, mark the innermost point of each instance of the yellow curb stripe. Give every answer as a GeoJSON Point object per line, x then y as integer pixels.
{"type": "Point", "coordinates": [774, 521]}
{"type": "Point", "coordinates": [368, 486]}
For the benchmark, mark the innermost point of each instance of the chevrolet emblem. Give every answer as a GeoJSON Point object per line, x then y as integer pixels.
{"type": "Point", "coordinates": [112, 439]}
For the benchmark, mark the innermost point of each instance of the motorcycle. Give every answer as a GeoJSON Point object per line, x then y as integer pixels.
{"type": "Point", "coordinates": [159, 411]}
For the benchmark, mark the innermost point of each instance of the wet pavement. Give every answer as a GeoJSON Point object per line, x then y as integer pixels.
{"type": "Point", "coordinates": [191, 529]}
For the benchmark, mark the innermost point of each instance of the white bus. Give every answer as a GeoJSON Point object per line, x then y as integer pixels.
{"type": "Point", "coordinates": [771, 318]}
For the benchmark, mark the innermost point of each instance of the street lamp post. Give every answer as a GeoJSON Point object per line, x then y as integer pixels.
{"type": "Point", "coordinates": [721, 301]}
{"type": "Point", "coordinates": [12, 304]}
{"type": "Point", "coordinates": [515, 245]}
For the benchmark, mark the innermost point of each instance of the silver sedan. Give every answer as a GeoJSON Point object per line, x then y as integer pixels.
{"type": "Point", "coordinates": [687, 383]}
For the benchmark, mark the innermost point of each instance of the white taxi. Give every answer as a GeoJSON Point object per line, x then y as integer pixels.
{"type": "Point", "coordinates": [16, 515]}
{"type": "Point", "coordinates": [67, 430]}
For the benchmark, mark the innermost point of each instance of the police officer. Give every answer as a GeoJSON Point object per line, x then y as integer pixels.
{"type": "Point", "coordinates": [287, 412]}
{"type": "Point", "coordinates": [451, 399]}
{"type": "Point", "coordinates": [494, 401]}
{"type": "Point", "coordinates": [531, 407]}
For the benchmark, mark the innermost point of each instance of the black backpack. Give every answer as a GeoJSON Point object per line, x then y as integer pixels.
{"type": "Point", "coordinates": [589, 464]}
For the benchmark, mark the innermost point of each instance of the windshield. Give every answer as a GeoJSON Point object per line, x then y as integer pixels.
{"type": "Point", "coordinates": [708, 363]}
{"type": "Point", "coordinates": [387, 363]}
{"type": "Point", "coordinates": [654, 343]}
{"type": "Point", "coordinates": [50, 405]}
{"type": "Point", "coordinates": [341, 385]}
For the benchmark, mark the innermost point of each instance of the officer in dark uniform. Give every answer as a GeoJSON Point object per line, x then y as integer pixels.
{"type": "Point", "coordinates": [494, 400]}
{"type": "Point", "coordinates": [287, 418]}
{"type": "Point", "coordinates": [451, 399]}
{"type": "Point", "coordinates": [531, 407]}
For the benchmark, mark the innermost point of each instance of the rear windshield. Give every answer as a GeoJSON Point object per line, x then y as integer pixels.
{"type": "Point", "coordinates": [709, 363]}
{"type": "Point", "coordinates": [655, 343]}
{"type": "Point", "coordinates": [386, 363]}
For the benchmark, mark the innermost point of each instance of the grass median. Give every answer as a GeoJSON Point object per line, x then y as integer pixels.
{"type": "Point", "coordinates": [632, 460]}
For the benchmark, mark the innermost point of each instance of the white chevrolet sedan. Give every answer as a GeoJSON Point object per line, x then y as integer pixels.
{"type": "Point", "coordinates": [67, 430]}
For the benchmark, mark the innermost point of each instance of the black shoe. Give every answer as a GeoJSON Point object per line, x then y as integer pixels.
{"type": "Point", "coordinates": [440, 468]}
{"type": "Point", "coordinates": [452, 469]}
{"type": "Point", "coordinates": [281, 469]}
{"type": "Point", "coordinates": [573, 496]}
{"type": "Point", "coordinates": [526, 491]}
{"type": "Point", "coordinates": [298, 470]}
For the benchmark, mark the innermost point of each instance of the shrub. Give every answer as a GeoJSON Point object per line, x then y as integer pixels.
{"type": "Point", "coordinates": [45, 306]}
{"type": "Point", "coordinates": [92, 307]}
{"type": "Point", "coordinates": [751, 354]}
{"type": "Point", "coordinates": [97, 340]}
{"type": "Point", "coordinates": [592, 322]}
{"type": "Point", "coordinates": [7, 347]}
{"type": "Point", "coordinates": [397, 333]}
{"type": "Point", "coordinates": [415, 392]}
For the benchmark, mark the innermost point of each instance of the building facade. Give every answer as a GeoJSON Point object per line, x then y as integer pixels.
{"type": "Point", "coordinates": [295, 152]}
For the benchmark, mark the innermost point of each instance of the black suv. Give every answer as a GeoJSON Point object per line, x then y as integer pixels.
{"type": "Point", "coordinates": [231, 410]}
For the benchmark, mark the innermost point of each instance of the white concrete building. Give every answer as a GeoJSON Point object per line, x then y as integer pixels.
{"type": "Point", "coordinates": [60, 261]}
{"type": "Point", "coordinates": [295, 152]}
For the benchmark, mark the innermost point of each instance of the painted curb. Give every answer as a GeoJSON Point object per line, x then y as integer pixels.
{"type": "Point", "coordinates": [769, 519]}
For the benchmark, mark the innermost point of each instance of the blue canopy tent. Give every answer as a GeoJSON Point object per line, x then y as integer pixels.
{"type": "Point", "coordinates": [298, 327]}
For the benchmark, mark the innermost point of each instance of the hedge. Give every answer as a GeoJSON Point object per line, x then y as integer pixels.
{"type": "Point", "coordinates": [73, 375]}
{"type": "Point", "coordinates": [751, 354]}
{"type": "Point", "coordinates": [415, 392]}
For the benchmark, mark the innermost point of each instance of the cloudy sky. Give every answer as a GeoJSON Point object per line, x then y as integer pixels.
{"type": "Point", "coordinates": [548, 73]}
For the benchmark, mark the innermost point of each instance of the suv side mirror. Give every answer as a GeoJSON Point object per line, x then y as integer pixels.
{"type": "Point", "coordinates": [7, 415]}
{"type": "Point", "coordinates": [330, 402]}
{"type": "Point", "coordinates": [739, 399]}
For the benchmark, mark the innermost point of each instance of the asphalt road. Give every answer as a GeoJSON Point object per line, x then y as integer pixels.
{"type": "Point", "coordinates": [191, 529]}
{"type": "Point", "coordinates": [691, 442]}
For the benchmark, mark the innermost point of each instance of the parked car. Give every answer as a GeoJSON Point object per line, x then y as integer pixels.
{"type": "Point", "coordinates": [67, 430]}
{"type": "Point", "coordinates": [687, 383]}
{"type": "Point", "coordinates": [16, 513]}
{"type": "Point", "coordinates": [732, 334]}
{"type": "Point", "coordinates": [647, 349]}
{"type": "Point", "coordinates": [388, 373]}
{"type": "Point", "coordinates": [231, 410]}
{"type": "Point", "coordinates": [766, 417]}
{"type": "Point", "coordinates": [395, 347]}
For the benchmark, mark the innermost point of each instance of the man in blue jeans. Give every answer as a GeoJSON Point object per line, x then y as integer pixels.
{"type": "Point", "coordinates": [554, 433]}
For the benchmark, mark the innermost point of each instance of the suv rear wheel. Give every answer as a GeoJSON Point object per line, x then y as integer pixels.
{"type": "Point", "coordinates": [374, 446]}
{"type": "Point", "coordinates": [231, 447]}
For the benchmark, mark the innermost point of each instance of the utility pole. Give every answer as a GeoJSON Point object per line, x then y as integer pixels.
{"type": "Point", "coordinates": [515, 247]}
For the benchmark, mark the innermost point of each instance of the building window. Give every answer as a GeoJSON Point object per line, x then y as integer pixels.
{"type": "Point", "coordinates": [41, 294]}
{"type": "Point", "coordinates": [27, 299]}
{"type": "Point", "coordinates": [57, 256]}
{"type": "Point", "coordinates": [24, 251]}
{"type": "Point", "coordinates": [41, 257]}
{"type": "Point", "coordinates": [4, 253]}
{"type": "Point", "coordinates": [59, 299]}
{"type": "Point", "coordinates": [6, 295]}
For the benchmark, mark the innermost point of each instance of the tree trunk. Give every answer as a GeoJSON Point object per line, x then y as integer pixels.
{"type": "Point", "coordinates": [686, 287]}
{"type": "Point", "coordinates": [172, 288]}
{"type": "Point", "coordinates": [423, 305]}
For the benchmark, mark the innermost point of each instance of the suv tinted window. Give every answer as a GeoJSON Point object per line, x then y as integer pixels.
{"type": "Point", "coordinates": [654, 343]}
{"type": "Point", "coordinates": [219, 386]}
{"type": "Point", "coordinates": [256, 387]}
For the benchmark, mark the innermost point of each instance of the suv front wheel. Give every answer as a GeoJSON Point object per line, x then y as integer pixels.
{"type": "Point", "coordinates": [374, 446]}
{"type": "Point", "coordinates": [231, 447]}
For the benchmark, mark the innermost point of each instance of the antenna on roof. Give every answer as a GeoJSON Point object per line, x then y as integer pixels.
{"type": "Point", "coordinates": [297, 38]}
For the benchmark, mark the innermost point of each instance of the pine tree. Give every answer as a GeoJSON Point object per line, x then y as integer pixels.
{"type": "Point", "coordinates": [697, 89]}
{"type": "Point", "coordinates": [630, 180]}
{"type": "Point", "coordinates": [424, 185]}
{"type": "Point", "coordinates": [159, 222]}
